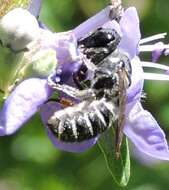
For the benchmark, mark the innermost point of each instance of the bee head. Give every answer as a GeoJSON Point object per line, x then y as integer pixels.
{"type": "Point", "coordinates": [99, 44]}
{"type": "Point", "coordinates": [100, 38]}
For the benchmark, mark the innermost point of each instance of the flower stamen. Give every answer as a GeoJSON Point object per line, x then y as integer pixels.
{"type": "Point", "coordinates": [154, 65]}
{"type": "Point", "coordinates": [153, 47]}
{"type": "Point", "coordinates": [152, 38]}
{"type": "Point", "coordinates": [155, 76]}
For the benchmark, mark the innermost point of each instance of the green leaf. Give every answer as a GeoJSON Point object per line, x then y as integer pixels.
{"type": "Point", "coordinates": [7, 5]}
{"type": "Point", "coordinates": [119, 168]}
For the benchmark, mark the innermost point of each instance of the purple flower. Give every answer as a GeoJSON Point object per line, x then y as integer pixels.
{"type": "Point", "coordinates": [140, 127]}
{"type": "Point", "coordinates": [30, 95]}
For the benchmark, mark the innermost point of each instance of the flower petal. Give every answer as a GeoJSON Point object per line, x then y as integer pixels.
{"type": "Point", "coordinates": [67, 55]}
{"type": "Point", "coordinates": [22, 104]}
{"type": "Point", "coordinates": [144, 158]}
{"type": "Point", "coordinates": [46, 111]}
{"type": "Point", "coordinates": [113, 25]}
{"type": "Point", "coordinates": [92, 23]}
{"type": "Point", "coordinates": [137, 81]}
{"type": "Point", "coordinates": [131, 32]}
{"type": "Point", "coordinates": [66, 46]}
{"type": "Point", "coordinates": [146, 134]}
{"type": "Point", "coordinates": [35, 7]}
{"type": "Point", "coordinates": [72, 147]}
{"type": "Point", "coordinates": [158, 52]}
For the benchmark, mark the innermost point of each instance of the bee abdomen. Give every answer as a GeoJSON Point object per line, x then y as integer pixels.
{"type": "Point", "coordinates": [69, 131]}
{"type": "Point", "coordinates": [84, 125]}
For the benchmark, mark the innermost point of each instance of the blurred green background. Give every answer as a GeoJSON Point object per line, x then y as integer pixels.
{"type": "Point", "coordinates": [28, 160]}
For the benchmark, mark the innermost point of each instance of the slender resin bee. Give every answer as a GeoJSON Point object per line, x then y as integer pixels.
{"type": "Point", "coordinates": [101, 95]}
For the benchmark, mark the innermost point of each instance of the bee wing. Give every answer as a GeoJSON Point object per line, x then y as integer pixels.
{"type": "Point", "coordinates": [143, 130]}
{"type": "Point", "coordinates": [122, 105]}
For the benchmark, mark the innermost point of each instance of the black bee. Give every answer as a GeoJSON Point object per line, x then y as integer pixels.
{"type": "Point", "coordinates": [102, 98]}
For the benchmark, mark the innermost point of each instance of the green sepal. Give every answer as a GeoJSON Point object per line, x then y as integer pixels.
{"type": "Point", "coordinates": [9, 62]}
{"type": "Point", "coordinates": [7, 5]}
{"type": "Point", "coordinates": [119, 168]}
{"type": "Point", "coordinates": [16, 67]}
{"type": "Point", "coordinates": [42, 63]}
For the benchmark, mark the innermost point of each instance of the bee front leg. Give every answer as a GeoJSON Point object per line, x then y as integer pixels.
{"type": "Point", "coordinates": [62, 101]}
{"type": "Point", "coordinates": [71, 91]}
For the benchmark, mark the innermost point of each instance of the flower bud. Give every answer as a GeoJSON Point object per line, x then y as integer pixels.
{"type": "Point", "coordinates": [18, 28]}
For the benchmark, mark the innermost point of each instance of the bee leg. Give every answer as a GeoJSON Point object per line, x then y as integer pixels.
{"type": "Point", "coordinates": [77, 81]}
{"type": "Point", "coordinates": [63, 101]}
{"type": "Point", "coordinates": [79, 76]}
{"type": "Point", "coordinates": [52, 100]}
{"type": "Point", "coordinates": [119, 135]}
{"type": "Point", "coordinates": [71, 91]}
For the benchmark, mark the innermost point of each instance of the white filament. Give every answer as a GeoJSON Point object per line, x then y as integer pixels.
{"type": "Point", "coordinates": [154, 76]}
{"type": "Point", "coordinates": [152, 38]}
{"type": "Point", "coordinates": [154, 65]}
{"type": "Point", "coordinates": [152, 47]}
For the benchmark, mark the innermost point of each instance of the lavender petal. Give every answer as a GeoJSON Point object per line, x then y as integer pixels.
{"type": "Point", "coordinates": [22, 104]}
{"type": "Point", "coordinates": [137, 81]}
{"type": "Point", "coordinates": [93, 23]}
{"type": "Point", "coordinates": [66, 46]}
{"type": "Point", "coordinates": [144, 159]}
{"type": "Point", "coordinates": [34, 7]}
{"type": "Point", "coordinates": [77, 147]}
{"type": "Point", "coordinates": [113, 25]}
{"type": "Point", "coordinates": [129, 24]}
{"type": "Point", "coordinates": [143, 130]}
{"type": "Point", "coordinates": [157, 53]}
{"type": "Point", "coordinates": [47, 111]}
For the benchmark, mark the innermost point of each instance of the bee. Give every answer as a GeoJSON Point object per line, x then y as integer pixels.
{"type": "Point", "coordinates": [101, 98]}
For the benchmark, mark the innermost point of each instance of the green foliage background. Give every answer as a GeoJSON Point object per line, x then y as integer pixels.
{"type": "Point", "coordinates": [28, 160]}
